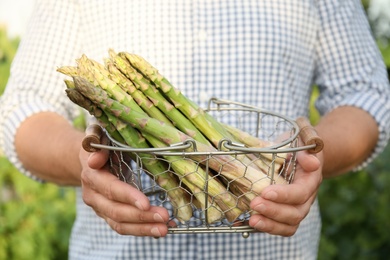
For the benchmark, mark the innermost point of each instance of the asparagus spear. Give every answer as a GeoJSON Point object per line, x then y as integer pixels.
{"type": "Point", "coordinates": [225, 164]}
{"type": "Point", "coordinates": [114, 91]}
{"type": "Point", "coordinates": [199, 181]}
{"type": "Point", "coordinates": [77, 98]}
{"type": "Point", "coordinates": [68, 70]}
{"type": "Point", "coordinates": [208, 125]}
{"type": "Point", "coordinates": [203, 121]}
{"type": "Point", "coordinates": [124, 105]}
{"type": "Point", "coordinates": [144, 85]}
{"type": "Point", "coordinates": [254, 142]}
{"type": "Point", "coordinates": [127, 135]}
{"type": "Point", "coordinates": [142, 100]}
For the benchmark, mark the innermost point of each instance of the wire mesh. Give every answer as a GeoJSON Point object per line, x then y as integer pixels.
{"type": "Point", "coordinates": [231, 175]}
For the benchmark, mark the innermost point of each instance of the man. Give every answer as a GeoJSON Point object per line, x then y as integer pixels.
{"type": "Point", "coordinates": [262, 53]}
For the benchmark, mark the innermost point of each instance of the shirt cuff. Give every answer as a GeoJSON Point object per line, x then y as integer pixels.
{"type": "Point", "coordinates": [379, 109]}
{"type": "Point", "coordinates": [11, 123]}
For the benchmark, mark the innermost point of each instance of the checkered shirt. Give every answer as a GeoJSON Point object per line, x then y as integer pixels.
{"type": "Point", "coordinates": [266, 53]}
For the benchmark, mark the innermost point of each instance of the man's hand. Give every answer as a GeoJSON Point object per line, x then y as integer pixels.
{"type": "Point", "coordinates": [126, 209]}
{"type": "Point", "coordinates": [281, 208]}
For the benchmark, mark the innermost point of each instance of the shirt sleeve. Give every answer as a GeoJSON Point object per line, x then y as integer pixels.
{"type": "Point", "coordinates": [350, 68]}
{"type": "Point", "coordinates": [51, 41]}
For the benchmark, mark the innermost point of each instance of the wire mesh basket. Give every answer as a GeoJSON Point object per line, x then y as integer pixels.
{"type": "Point", "coordinates": [231, 175]}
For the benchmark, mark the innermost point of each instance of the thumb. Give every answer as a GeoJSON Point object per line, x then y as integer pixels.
{"type": "Point", "coordinates": [308, 162]}
{"type": "Point", "coordinates": [98, 160]}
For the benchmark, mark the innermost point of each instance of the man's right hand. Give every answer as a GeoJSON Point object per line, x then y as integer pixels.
{"type": "Point", "coordinates": [126, 209]}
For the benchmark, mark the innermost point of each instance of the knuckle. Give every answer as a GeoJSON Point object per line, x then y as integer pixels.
{"type": "Point", "coordinates": [141, 217]}
{"type": "Point", "coordinates": [145, 231]}
{"type": "Point", "coordinates": [87, 198]}
{"type": "Point", "coordinates": [272, 212]}
{"type": "Point", "coordinates": [113, 213]}
{"type": "Point", "coordinates": [290, 232]}
{"type": "Point", "coordinates": [297, 218]}
{"type": "Point", "coordinates": [118, 228]}
{"type": "Point", "coordinates": [108, 190]}
{"type": "Point", "coordinates": [85, 179]}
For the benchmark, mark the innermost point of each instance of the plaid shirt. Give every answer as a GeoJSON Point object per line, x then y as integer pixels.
{"type": "Point", "coordinates": [263, 53]}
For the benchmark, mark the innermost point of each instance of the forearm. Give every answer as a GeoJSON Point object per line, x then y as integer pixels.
{"type": "Point", "coordinates": [350, 135]}
{"type": "Point", "coordinates": [48, 146]}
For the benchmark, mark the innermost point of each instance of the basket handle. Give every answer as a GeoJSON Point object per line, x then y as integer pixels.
{"type": "Point", "coordinates": [309, 135]}
{"type": "Point", "coordinates": [93, 134]}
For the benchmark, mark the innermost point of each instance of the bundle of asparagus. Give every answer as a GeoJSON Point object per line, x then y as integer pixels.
{"type": "Point", "coordinates": [139, 107]}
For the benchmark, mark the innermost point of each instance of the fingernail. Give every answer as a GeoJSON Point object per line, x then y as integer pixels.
{"type": "Point", "coordinates": [139, 205]}
{"type": "Point", "coordinates": [155, 232]}
{"type": "Point", "coordinates": [157, 217]}
{"type": "Point", "coordinates": [271, 195]}
{"type": "Point", "coordinates": [260, 208]}
{"type": "Point", "coordinates": [259, 225]}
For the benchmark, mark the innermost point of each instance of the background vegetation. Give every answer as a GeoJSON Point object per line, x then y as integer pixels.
{"type": "Point", "coordinates": [36, 218]}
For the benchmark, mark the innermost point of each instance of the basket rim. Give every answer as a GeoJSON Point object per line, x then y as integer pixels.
{"type": "Point", "coordinates": [232, 147]}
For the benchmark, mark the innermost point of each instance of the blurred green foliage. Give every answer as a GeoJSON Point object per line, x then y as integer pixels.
{"type": "Point", "coordinates": [7, 52]}
{"type": "Point", "coordinates": [36, 218]}
{"type": "Point", "coordinates": [355, 212]}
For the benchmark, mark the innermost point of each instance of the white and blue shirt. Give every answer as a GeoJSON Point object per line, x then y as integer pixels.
{"type": "Point", "coordinates": [266, 53]}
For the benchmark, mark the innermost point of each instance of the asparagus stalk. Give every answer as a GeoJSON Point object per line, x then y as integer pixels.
{"type": "Point", "coordinates": [77, 98]}
{"type": "Point", "coordinates": [225, 164]}
{"type": "Point", "coordinates": [69, 71]}
{"type": "Point", "coordinates": [165, 179]}
{"type": "Point", "coordinates": [150, 126]}
{"type": "Point", "coordinates": [251, 141]}
{"type": "Point", "coordinates": [114, 91]}
{"type": "Point", "coordinates": [127, 135]}
{"type": "Point", "coordinates": [204, 122]}
{"type": "Point", "coordinates": [199, 181]}
{"type": "Point", "coordinates": [208, 125]}
{"type": "Point", "coordinates": [124, 95]}
{"type": "Point", "coordinates": [144, 85]}
{"type": "Point", "coordinates": [196, 179]}
{"type": "Point", "coordinates": [142, 100]}
{"type": "Point", "coordinates": [213, 212]}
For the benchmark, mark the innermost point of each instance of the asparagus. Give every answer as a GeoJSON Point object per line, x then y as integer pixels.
{"type": "Point", "coordinates": [189, 170]}
{"type": "Point", "coordinates": [254, 142]}
{"type": "Point", "coordinates": [144, 85]}
{"type": "Point", "coordinates": [77, 98]}
{"type": "Point", "coordinates": [108, 74]}
{"type": "Point", "coordinates": [208, 125]}
{"type": "Point", "coordinates": [127, 135]}
{"type": "Point", "coordinates": [226, 164]}
{"type": "Point", "coordinates": [141, 108]}
{"type": "Point", "coordinates": [68, 70]}
{"type": "Point", "coordinates": [204, 122]}
{"type": "Point", "coordinates": [198, 181]}
{"type": "Point", "coordinates": [150, 126]}
{"type": "Point", "coordinates": [155, 167]}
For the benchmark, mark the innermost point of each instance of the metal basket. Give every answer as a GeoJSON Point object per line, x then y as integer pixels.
{"type": "Point", "coordinates": [277, 161]}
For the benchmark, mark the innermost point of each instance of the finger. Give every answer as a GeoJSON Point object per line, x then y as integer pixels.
{"type": "Point", "coordinates": [270, 226]}
{"type": "Point", "coordinates": [97, 160]}
{"type": "Point", "coordinates": [282, 213]}
{"type": "Point", "coordinates": [308, 162]}
{"type": "Point", "coordinates": [124, 213]}
{"type": "Point", "coordinates": [294, 194]}
{"type": "Point", "coordinates": [106, 184]}
{"type": "Point", "coordinates": [305, 184]}
{"type": "Point", "coordinates": [148, 229]}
